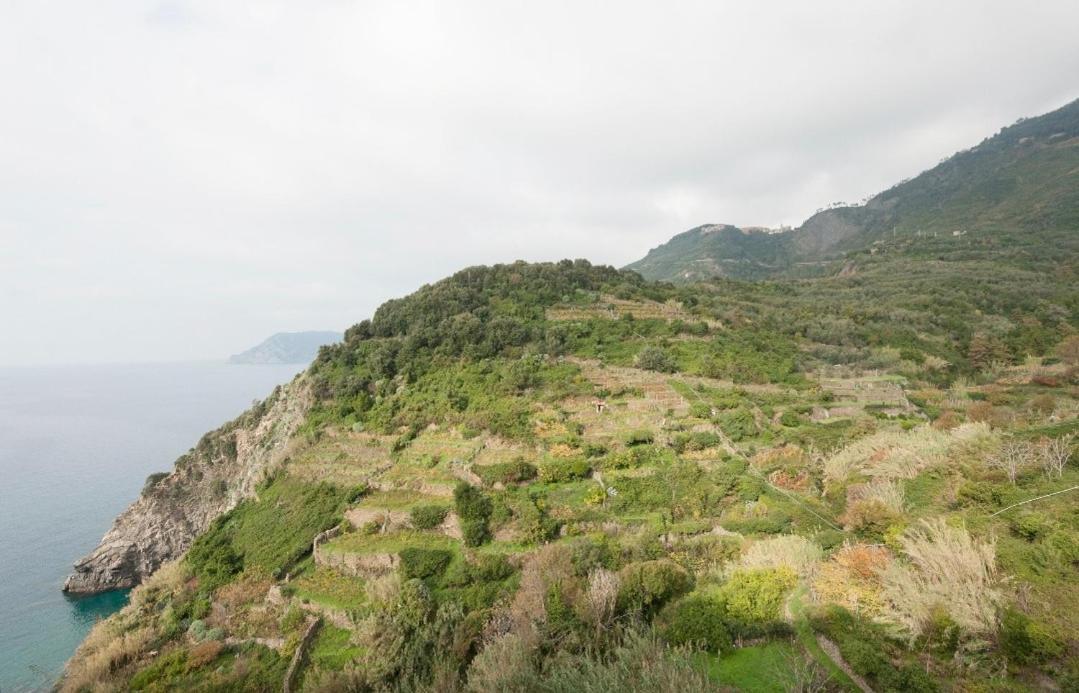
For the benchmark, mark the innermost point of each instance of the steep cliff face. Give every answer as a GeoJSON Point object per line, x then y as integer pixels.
{"type": "Point", "coordinates": [223, 469]}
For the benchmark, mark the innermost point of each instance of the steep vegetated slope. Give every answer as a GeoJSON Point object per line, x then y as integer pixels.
{"type": "Point", "coordinates": [543, 477]}
{"type": "Point", "coordinates": [1015, 196]}
{"type": "Point", "coordinates": [562, 477]}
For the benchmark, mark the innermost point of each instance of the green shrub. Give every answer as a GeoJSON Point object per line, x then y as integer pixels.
{"type": "Point", "coordinates": [168, 667]}
{"type": "Point", "coordinates": [738, 424]}
{"type": "Point", "coordinates": [869, 652]}
{"type": "Point", "coordinates": [698, 440]}
{"type": "Point", "coordinates": [421, 563]}
{"type": "Point", "coordinates": [1031, 525]}
{"type": "Point", "coordinates": [152, 481]}
{"type": "Point", "coordinates": [865, 658]}
{"type": "Point", "coordinates": [1026, 641]}
{"type": "Point", "coordinates": [271, 532]}
{"type": "Point", "coordinates": [640, 436]}
{"type": "Point", "coordinates": [537, 526]}
{"type": "Point", "coordinates": [512, 472]}
{"type": "Point", "coordinates": [635, 457]}
{"type": "Point", "coordinates": [790, 419]}
{"type": "Point", "coordinates": [648, 585]}
{"type": "Point", "coordinates": [428, 516]}
{"type": "Point", "coordinates": [212, 558]}
{"type": "Point", "coordinates": [697, 621]}
{"type": "Point", "coordinates": [754, 596]}
{"type": "Point", "coordinates": [594, 450]}
{"type": "Point", "coordinates": [474, 531]}
{"type": "Point", "coordinates": [656, 359]}
{"type": "Point", "coordinates": [200, 632]}
{"type": "Point", "coordinates": [561, 471]}
{"type": "Point", "coordinates": [980, 493]}
{"type": "Point", "coordinates": [474, 509]}
{"type": "Point", "coordinates": [471, 503]}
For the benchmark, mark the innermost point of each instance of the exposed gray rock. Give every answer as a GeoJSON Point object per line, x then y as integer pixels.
{"type": "Point", "coordinates": [223, 469]}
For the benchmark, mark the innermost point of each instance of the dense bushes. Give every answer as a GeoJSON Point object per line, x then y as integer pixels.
{"type": "Point", "coordinates": [1026, 641]}
{"type": "Point", "coordinates": [752, 356]}
{"type": "Point", "coordinates": [697, 621]}
{"type": "Point", "coordinates": [648, 585]}
{"type": "Point", "coordinates": [474, 510]}
{"type": "Point", "coordinates": [428, 516]}
{"type": "Point", "coordinates": [417, 562]}
{"type": "Point", "coordinates": [270, 533]}
{"type": "Point", "coordinates": [512, 472]}
{"type": "Point", "coordinates": [697, 440]}
{"type": "Point", "coordinates": [656, 359]}
{"type": "Point", "coordinates": [640, 436]}
{"type": "Point", "coordinates": [561, 471]}
{"type": "Point", "coordinates": [213, 559]}
{"type": "Point", "coordinates": [756, 596]}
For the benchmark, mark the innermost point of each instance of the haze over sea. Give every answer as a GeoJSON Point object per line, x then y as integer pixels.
{"type": "Point", "coordinates": [76, 445]}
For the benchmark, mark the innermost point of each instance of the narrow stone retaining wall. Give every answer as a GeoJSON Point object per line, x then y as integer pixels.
{"type": "Point", "coordinates": [323, 537]}
{"type": "Point", "coordinates": [359, 565]}
{"type": "Point", "coordinates": [298, 655]}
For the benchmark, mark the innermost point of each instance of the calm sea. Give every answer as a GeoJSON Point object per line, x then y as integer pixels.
{"type": "Point", "coordinates": [76, 444]}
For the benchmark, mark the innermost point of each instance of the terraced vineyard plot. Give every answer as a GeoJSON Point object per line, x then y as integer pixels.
{"type": "Point", "coordinates": [854, 395]}
{"type": "Point", "coordinates": [611, 308]}
{"type": "Point", "coordinates": [346, 459]}
{"type": "Point", "coordinates": [327, 587]}
{"type": "Point", "coordinates": [367, 555]}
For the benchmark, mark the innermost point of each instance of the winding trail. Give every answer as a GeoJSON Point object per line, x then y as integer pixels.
{"type": "Point", "coordinates": [819, 647]}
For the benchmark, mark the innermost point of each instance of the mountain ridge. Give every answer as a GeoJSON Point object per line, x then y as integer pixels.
{"type": "Point", "coordinates": [286, 348]}
{"type": "Point", "coordinates": [1034, 161]}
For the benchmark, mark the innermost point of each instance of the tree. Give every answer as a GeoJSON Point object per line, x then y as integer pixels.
{"type": "Point", "coordinates": [1011, 458]}
{"type": "Point", "coordinates": [1055, 453]}
{"type": "Point", "coordinates": [656, 359]}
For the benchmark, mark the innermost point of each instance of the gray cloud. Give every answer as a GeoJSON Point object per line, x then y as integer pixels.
{"type": "Point", "coordinates": [182, 179]}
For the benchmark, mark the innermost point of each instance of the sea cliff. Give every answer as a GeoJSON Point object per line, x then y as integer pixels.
{"type": "Point", "coordinates": [210, 479]}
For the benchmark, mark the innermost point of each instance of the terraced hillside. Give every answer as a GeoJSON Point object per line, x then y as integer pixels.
{"type": "Point", "coordinates": [561, 477]}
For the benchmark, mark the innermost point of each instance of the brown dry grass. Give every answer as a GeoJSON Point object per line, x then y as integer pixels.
{"type": "Point", "coordinates": [947, 569]}
{"type": "Point", "coordinates": [792, 551]}
{"type": "Point", "coordinates": [104, 652]}
{"type": "Point", "coordinates": [852, 579]}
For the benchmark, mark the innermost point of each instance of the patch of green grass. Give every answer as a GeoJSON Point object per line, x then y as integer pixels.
{"type": "Point", "coordinates": [333, 649]}
{"type": "Point", "coordinates": [360, 543]}
{"type": "Point", "coordinates": [325, 586]}
{"type": "Point", "coordinates": [399, 499]}
{"type": "Point", "coordinates": [756, 669]}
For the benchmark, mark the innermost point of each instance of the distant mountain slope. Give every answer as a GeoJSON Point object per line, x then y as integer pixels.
{"type": "Point", "coordinates": [1023, 180]}
{"type": "Point", "coordinates": [287, 347]}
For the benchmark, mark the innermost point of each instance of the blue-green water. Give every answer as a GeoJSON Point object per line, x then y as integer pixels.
{"type": "Point", "coordinates": [76, 444]}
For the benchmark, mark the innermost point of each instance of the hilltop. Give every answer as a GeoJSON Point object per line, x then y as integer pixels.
{"type": "Point", "coordinates": [286, 347]}
{"type": "Point", "coordinates": [1015, 195]}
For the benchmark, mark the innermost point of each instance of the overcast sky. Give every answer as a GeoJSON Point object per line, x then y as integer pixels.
{"type": "Point", "coordinates": [179, 180]}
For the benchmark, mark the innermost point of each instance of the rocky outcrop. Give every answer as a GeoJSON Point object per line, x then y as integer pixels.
{"type": "Point", "coordinates": [224, 468]}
